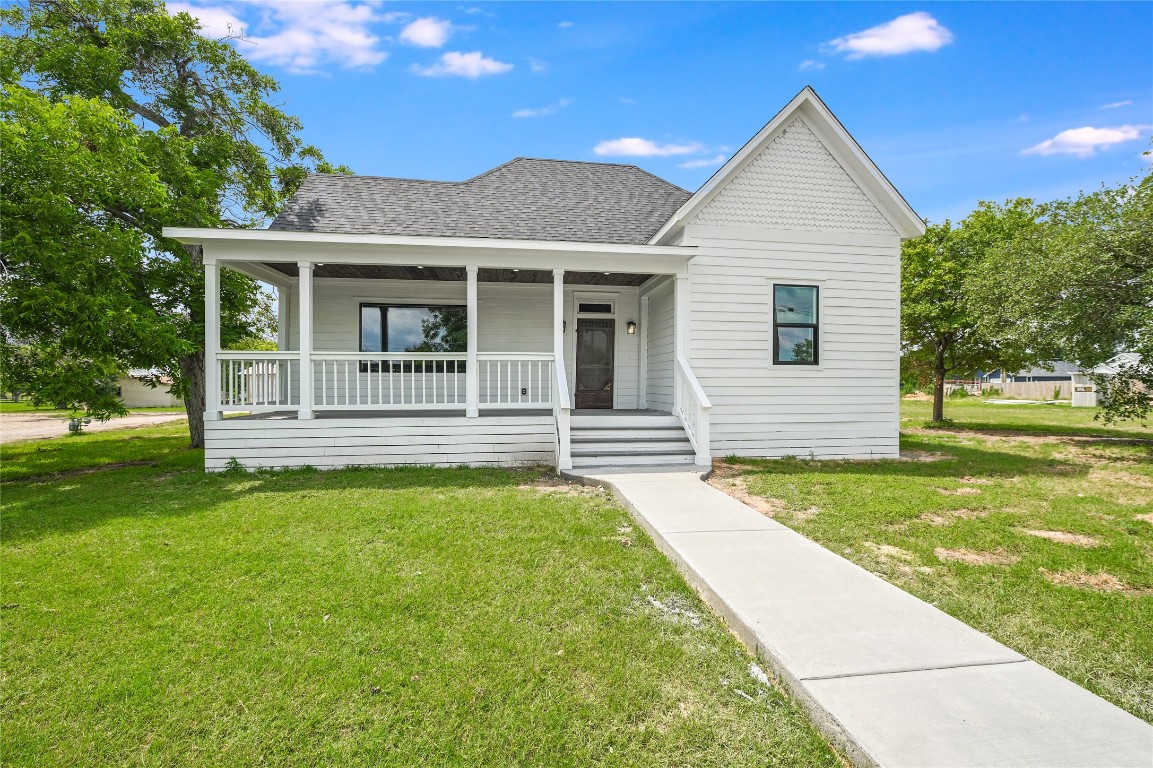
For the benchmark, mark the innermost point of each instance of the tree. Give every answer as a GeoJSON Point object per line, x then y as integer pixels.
{"type": "Point", "coordinates": [1079, 286]}
{"type": "Point", "coordinates": [940, 329]}
{"type": "Point", "coordinates": [119, 119]}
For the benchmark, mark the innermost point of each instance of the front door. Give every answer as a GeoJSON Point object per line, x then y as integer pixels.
{"type": "Point", "coordinates": [594, 363]}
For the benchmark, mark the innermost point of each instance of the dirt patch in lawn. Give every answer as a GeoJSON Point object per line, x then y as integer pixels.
{"type": "Point", "coordinates": [1147, 518]}
{"type": "Point", "coordinates": [974, 480]}
{"type": "Point", "coordinates": [1101, 581]}
{"type": "Point", "coordinates": [923, 456]}
{"type": "Point", "coordinates": [919, 396]}
{"type": "Point", "coordinates": [966, 490]}
{"type": "Point", "coordinates": [738, 488]}
{"type": "Point", "coordinates": [973, 557]}
{"type": "Point", "coordinates": [1064, 537]}
{"type": "Point", "coordinates": [953, 515]}
{"type": "Point", "coordinates": [84, 471]}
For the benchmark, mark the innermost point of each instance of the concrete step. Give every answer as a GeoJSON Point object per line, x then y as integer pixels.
{"type": "Point", "coordinates": [632, 461]}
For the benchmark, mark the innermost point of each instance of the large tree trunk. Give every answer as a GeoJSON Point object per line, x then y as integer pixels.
{"type": "Point", "coordinates": [939, 384]}
{"type": "Point", "coordinates": [192, 371]}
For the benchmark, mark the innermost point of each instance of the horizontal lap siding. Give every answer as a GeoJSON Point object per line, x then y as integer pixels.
{"type": "Point", "coordinates": [662, 347]}
{"type": "Point", "coordinates": [845, 408]}
{"type": "Point", "coordinates": [441, 441]}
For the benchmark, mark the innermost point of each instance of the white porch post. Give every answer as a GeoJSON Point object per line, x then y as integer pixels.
{"type": "Point", "coordinates": [305, 326]}
{"type": "Point", "coordinates": [472, 372]}
{"type": "Point", "coordinates": [558, 315]}
{"type": "Point", "coordinates": [211, 340]}
{"type": "Point", "coordinates": [283, 297]}
{"type": "Point", "coordinates": [643, 373]}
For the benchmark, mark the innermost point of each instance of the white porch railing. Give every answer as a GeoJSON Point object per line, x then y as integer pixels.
{"type": "Point", "coordinates": [388, 380]}
{"type": "Point", "coordinates": [522, 380]}
{"type": "Point", "coordinates": [258, 381]}
{"type": "Point", "coordinates": [693, 406]}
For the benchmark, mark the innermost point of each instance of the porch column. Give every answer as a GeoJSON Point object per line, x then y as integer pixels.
{"type": "Point", "coordinates": [472, 372]}
{"type": "Point", "coordinates": [211, 340]}
{"type": "Point", "coordinates": [282, 314]}
{"type": "Point", "coordinates": [643, 357]}
{"type": "Point", "coordinates": [305, 327]}
{"type": "Point", "coordinates": [558, 316]}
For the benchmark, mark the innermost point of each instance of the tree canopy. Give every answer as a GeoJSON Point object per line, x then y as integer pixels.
{"type": "Point", "coordinates": [116, 120]}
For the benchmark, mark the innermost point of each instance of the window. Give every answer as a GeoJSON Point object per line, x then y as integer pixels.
{"type": "Point", "coordinates": [410, 328]}
{"type": "Point", "coordinates": [595, 308]}
{"type": "Point", "coordinates": [795, 337]}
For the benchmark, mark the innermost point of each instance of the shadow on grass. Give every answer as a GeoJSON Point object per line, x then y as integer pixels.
{"type": "Point", "coordinates": [177, 485]}
{"type": "Point", "coordinates": [958, 460]}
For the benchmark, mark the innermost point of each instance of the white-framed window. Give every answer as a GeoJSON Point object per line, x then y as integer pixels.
{"type": "Point", "coordinates": [796, 324]}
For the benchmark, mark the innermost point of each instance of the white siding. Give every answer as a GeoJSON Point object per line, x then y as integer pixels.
{"type": "Point", "coordinates": [336, 442]}
{"type": "Point", "coordinates": [846, 406]}
{"type": "Point", "coordinates": [662, 347]}
{"type": "Point", "coordinates": [136, 394]}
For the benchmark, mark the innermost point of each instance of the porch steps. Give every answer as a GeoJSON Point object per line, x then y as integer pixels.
{"type": "Point", "coordinates": [641, 439]}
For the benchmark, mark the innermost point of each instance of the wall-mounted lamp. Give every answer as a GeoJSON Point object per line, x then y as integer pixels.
{"type": "Point", "coordinates": [631, 327]}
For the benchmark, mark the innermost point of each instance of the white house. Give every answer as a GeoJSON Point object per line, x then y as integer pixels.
{"type": "Point", "coordinates": [1085, 392]}
{"type": "Point", "coordinates": [135, 393]}
{"type": "Point", "coordinates": [581, 314]}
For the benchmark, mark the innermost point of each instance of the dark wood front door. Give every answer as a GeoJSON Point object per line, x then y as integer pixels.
{"type": "Point", "coordinates": [594, 363]}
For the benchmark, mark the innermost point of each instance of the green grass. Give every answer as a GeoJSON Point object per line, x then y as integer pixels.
{"type": "Point", "coordinates": [157, 615]}
{"type": "Point", "coordinates": [981, 494]}
{"type": "Point", "coordinates": [1059, 419]}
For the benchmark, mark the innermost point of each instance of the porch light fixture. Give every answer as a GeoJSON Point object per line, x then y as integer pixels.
{"type": "Point", "coordinates": [631, 327]}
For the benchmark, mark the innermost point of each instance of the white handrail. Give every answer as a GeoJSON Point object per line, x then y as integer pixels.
{"type": "Point", "coordinates": [693, 407]}
{"type": "Point", "coordinates": [560, 410]}
{"type": "Point", "coordinates": [316, 354]}
{"type": "Point", "coordinates": [248, 354]}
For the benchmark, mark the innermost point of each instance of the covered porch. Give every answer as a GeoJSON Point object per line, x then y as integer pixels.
{"type": "Point", "coordinates": [503, 328]}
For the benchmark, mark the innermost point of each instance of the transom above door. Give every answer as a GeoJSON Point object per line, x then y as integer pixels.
{"type": "Point", "coordinates": [595, 372]}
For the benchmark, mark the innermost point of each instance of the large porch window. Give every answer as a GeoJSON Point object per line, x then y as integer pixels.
{"type": "Point", "coordinates": [412, 328]}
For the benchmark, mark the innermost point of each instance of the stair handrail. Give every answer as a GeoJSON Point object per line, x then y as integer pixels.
{"type": "Point", "coordinates": [561, 415]}
{"type": "Point", "coordinates": [693, 408]}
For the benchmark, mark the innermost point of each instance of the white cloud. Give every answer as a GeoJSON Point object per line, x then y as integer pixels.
{"type": "Point", "coordinates": [1084, 142]}
{"type": "Point", "coordinates": [635, 147]}
{"type": "Point", "coordinates": [551, 109]}
{"type": "Point", "coordinates": [565, 24]}
{"type": "Point", "coordinates": [905, 34]}
{"type": "Point", "coordinates": [471, 65]}
{"type": "Point", "coordinates": [811, 64]}
{"type": "Point", "coordinates": [428, 32]}
{"type": "Point", "coordinates": [703, 162]}
{"type": "Point", "coordinates": [300, 36]}
{"type": "Point", "coordinates": [1118, 104]}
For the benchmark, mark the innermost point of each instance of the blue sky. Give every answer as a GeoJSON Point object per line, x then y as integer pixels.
{"type": "Point", "coordinates": [955, 102]}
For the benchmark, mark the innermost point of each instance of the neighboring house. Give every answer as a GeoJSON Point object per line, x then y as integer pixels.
{"type": "Point", "coordinates": [135, 393]}
{"type": "Point", "coordinates": [1061, 371]}
{"type": "Point", "coordinates": [574, 313]}
{"type": "Point", "coordinates": [1085, 392]}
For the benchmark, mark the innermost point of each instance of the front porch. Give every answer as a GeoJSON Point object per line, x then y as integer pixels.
{"type": "Point", "coordinates": [497, 347]}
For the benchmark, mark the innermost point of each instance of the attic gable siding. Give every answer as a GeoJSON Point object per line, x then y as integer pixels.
{"type": "Point", "coordinates": [794, 183]}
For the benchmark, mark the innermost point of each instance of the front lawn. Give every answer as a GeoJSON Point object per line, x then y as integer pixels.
{"type": "Point", "coordinates": [1039, 538]}
{"type": "Point", "coordinates": [1040, 418]}
{"type": "Point", "coordinates": [156, 615]}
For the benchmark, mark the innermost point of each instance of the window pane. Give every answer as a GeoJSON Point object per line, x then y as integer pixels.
{"type": "Point", "coordinates": [370, 329]}
{"type": "Point", "coordinates": [795, 303]}
{"type": "Point", "coordinates": [596, 309]}
{"type": "Point", "coordinates": [795, 345]}
{"type": "Point", "coordinates": [427, 329]}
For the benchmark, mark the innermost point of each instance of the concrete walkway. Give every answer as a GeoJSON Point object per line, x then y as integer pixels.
{"type": "Point", "coordinates": [890, 679]}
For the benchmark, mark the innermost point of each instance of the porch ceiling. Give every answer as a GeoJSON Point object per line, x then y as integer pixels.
{"type": "Point", "coordinates": [457, 274]}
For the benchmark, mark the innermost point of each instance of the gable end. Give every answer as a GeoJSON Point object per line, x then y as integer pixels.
{"type": "Point", "coordinates": [794, 183]}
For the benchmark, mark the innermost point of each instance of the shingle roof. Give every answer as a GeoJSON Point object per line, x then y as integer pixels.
{"type": "Point", "coordinates": [524, 199]}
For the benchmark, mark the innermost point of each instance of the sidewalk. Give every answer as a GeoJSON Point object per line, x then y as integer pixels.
{"type": "Point", "coordinates": [888, 678]}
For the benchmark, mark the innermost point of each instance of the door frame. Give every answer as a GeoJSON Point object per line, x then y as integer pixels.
{"type": "Point", "coordinates": [599, 297]}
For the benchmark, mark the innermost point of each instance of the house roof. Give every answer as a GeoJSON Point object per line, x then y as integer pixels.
{"type": "Point", "coordinates": [1113, 365]}
{"type": "Point", "coordinates": [524, 199]}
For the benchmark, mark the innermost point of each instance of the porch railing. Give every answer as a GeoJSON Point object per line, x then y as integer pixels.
{"type": "Point", "coordinates": [693, 407]}
{"type": "Point", "coordinates": [258, 381]}
{"type": "Point", "coordinates": [267, 381]}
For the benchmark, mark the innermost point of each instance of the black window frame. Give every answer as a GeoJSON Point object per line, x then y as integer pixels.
{"type": "Point", "coordinates": [398, 366]}
{"type": "Point", "coordinates": [816, 326]}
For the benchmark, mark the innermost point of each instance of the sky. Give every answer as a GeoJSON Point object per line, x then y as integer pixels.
{"type": "Point", "coordinates": [955, 102]}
